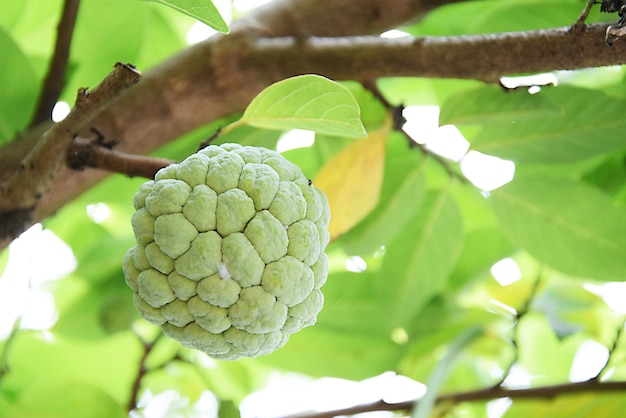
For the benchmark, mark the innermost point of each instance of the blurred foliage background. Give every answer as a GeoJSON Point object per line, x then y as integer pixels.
{"type": "Point", "coordinates": [405, 281]}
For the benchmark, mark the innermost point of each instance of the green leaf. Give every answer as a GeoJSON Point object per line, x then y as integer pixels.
{"type": "Point", "coordinates": [321, 351]}
{"type": "Point", "coordinates": [109, 364]}
{"type": "Point", "coordinates": [67, 400]}
{"type": "Point", "coordinates": [308, 102]}
{"type": "Point", "coordinates": [403, 191]}
{"type": "Point", "coordinates": [489, 104]}
{"type": "Point", "coordinates": [232, 380]}
{"type": "Point", "coordinates": [203, 10]}
{"type": "Point", "coordinates": [580, 405]}
{"type": "Point", "coordinates": [571, 308]}
{"type": "Point", "coordinates": [568, 225]}
{"type": "Point", "coordinates": [350, 339]}
{"type": "Point", "coordinates": [18, 88]}
{"type": "Point", "coordinates": [423, 408]}
{"type": "Point", "coordinates": [589, 123]}
{"type": "Point", "coordinates": [419, 261]}
{"type": "Point", "coordinates": [546, 359]}
{"type": "Point", "coordinates": [493, 16]}
{"type": "Point", "coordinates": [228, 409]}
{"type": "Point", "coordinates": [481, 249]}
{"type": "Point", "coordinates": [312, 159]}
{"type": "Point", "coordinates": [352, 180]}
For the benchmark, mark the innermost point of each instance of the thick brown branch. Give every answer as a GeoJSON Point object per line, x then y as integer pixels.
{"type": "Point", "coordinates": [55, 79]}
{"type": "Point", "coordinates": [20, 193]}
{"type": "Point", "coordinates": [89, 153]}
{"type": "Point", "coordinates": [478, 57]}
{"type": "Point", "coordinates": [546, 392]}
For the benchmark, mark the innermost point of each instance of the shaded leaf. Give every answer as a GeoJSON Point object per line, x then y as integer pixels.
{"type": "Point", "coordinates": [568, 225]}
{"type": "Point", "coordinates": [589, 123]}
{"type": "Point", "coordinates": [352, 181]}
{"type": "Point", "coordinates": [350, 339]}
{"type": "Point", "coordinates": [491, 17]}
{"type": "Point", "coordinates": [580, 405]}
{"type": "Point", "coordinates": [18, 88]}
{"type": "Point", "coordinates": [481, 249]}
{"type": "Point", "coordinates": [489, 104]}
{"type": "Point", "coordinates": [203, 10]}
{"type": "Point", "coordinates": [312, 159]}
{"type": "Point", "coordinates": [228, 409]}
{"type": "Point", "coordinates": [309, 102]}
{"type": "Point", "coordinates": [417, 264]}
{"type": "Point", "coordinates": [402, 193]}
{"type": "Point", "coordinates": [320, 351]}
{"type": "Point", "coordinates": [442, 370]}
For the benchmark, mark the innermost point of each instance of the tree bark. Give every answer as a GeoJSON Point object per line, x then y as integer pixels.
{"type": "Point", "coordinates": [220, 76]}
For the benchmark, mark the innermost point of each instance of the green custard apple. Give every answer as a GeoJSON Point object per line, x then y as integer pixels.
{"type": "Point", "coordinates": [230, 251]}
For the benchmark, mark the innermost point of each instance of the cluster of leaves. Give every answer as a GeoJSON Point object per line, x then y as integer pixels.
{"type": "Point", "coordinates": [427, 236]}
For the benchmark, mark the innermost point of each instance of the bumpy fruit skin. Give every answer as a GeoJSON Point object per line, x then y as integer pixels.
{"type": "Point", "coordinates": [230, 251]}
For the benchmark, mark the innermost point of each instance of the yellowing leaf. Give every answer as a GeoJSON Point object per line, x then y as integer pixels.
{"type": "Point", "coordinates": [352, 180]}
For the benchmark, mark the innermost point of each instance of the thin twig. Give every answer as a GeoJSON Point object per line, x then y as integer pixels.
{"type": "Point", "coordinates": [521, 312]}
{"type": "Point", "coordinates": [55, 79]}
{"type": "Point", "coordinates": [579, 25]}
{"type": "Point", "coordinates": [495, 392]}
{"type": "Point", "coordinates": [142, 370]}
{"type": "Point", "coordinates": [399, 122]}
{"type": "Point", "coordinates": [93, 153]}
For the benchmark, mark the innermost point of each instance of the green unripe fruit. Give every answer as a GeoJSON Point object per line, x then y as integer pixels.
{"type": "Point", "coordinates": [230, 251]}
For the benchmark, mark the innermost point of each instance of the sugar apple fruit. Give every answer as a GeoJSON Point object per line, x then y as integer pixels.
{"type": "Point", "coordinates": [230, 251]}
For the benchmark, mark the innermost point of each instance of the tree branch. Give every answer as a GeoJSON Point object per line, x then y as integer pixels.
{"type": "Point", "coordinates": [142, 371]}
{"type": "Point", "coordinates": [55, 79]}
{"type": "Point", "coordinates": [478, 57]}
{"type": "Point", "coordinates": [546, 392]}
{"type": "Point", "coordinates": [94, 153]}
{"type": "Point", "coordinates": [19, 194]}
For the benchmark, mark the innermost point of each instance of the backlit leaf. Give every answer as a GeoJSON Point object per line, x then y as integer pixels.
{"type": "Point", "coordinates": [307, 102]}
{"type": "Point", "coordinates": [352, 181]}
{"type": "Point", "coordinates": [488, 104]}
{"type": "Point", "coordinates": [203, 10]}
{"type": "Point", "coordinates": [419, 261]}
{"type": "Point", "coordinates": [579, 405]}
{"type": "Point", "coordinates": [403, 191]}
{"type": "Point", "coordinates": [588, 123]}
{"type": "Point", "coordinates": [568, 225]}
{"type": "Point", "coordinates": [546, 359]}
